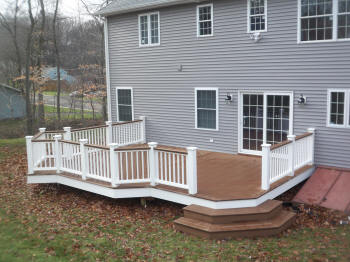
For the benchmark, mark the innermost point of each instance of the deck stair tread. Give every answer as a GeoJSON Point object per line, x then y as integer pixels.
{"type": "Point", "coordinates": [276, 222]}
{"type": "Point", "coordinates": [266, 219]}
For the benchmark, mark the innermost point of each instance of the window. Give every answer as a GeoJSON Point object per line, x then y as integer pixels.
{"type": "Point", "coordinates": [149, 28]}
{"type": "Point", "coordinates": [339, 108]}
{"type": "Point", "coordinates": [321, 20]}
{"type": "Point", "coordinates": [257, 15]}
{"type": "Point", "coordinates": [207, 108]}
{"type": "Point", "coordinates": [205, 20]}
{"type": "Point", "coordinates": [344, 19]}
{"type": "Point", "coordinates": [125, 103]}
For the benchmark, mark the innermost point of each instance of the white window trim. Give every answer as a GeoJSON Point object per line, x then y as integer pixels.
{"type": "Point", "coordinates": [132, 100]}
{"type": "Point", "coordinates": [212, 20]}
{"type": "Point", "coordinates": [149, 29]}
{"type": "Point", "coordinates": [217, 107]}
{"type": "Point", "coordinates": [248, 18]}
{"type": "Point", "coordinates": [335, 26]}
{"type": "Point", "coordinates": [240, 114]}
{"type": "Point", "coordinates": [346, 108]}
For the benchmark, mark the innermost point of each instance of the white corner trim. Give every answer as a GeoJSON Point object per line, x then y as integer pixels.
{"type": "Point", "coordinates": [108, 79]}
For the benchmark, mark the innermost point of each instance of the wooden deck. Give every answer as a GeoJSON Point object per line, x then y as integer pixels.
{"type": "Point", "coordinates": [220, 176]}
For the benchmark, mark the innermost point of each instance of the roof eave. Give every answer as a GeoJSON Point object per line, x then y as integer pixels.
{"type": "Point", "coordinates": [143, 8]}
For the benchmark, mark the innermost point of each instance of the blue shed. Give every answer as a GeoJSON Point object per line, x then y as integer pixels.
{"type": "Point", "coordinates": [12, 103]}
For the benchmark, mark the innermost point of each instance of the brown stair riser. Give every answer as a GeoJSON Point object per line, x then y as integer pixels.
{"type": "Point", "coordinates": [229, 219]}
{"type": "Point", "coordinates": [234, 234]}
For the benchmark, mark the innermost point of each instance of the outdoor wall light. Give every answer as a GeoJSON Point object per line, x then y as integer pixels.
{"type": "Point", "coordinates": [302, 100]}
{"type": "Point", "coordinates": [229, 98]}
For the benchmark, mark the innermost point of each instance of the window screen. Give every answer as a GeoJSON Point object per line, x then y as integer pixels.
{"type": "Point", "coordinates": [206, 109]}
{"type": "Point", "coordinates": [124, 105]}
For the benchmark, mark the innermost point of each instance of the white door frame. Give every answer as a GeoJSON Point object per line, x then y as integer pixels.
{"type": "Point", "coordinates": [240, 116]}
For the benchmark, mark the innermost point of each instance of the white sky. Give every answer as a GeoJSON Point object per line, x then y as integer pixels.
{"type": "Point", "coordinates": [69, 8]}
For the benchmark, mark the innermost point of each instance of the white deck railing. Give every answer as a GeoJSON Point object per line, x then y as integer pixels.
{"type": "Point", "coordinates": [113, 164]}
{"type": "Point", "coordinates": [283, 159]}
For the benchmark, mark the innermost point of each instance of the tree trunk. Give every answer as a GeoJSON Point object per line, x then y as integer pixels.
{"type": "Point", "coordinates": [27, 73]}
{"type": "Point", "coordinates": [58, 64]}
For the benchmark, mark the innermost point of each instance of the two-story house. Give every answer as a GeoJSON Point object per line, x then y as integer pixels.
{"type": "Point", "coordinates": [260, 87]}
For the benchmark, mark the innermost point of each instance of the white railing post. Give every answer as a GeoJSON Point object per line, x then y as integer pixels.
{"type": "Point", "coordinates": [42, 129]}
{"type": "Point", "coordinates": [153, 164]}
{"type": "Point", "coordinates": [265, 167]}
{"type": "Point", "coordinates": [30, 154]}
{"type": "Point", "coordinates": [143, 129]}
{"type": "Point", "coordinates": [312, 131]}
{"type": "Point", "coordinates": [67, 133]}
{"type": "Point", "coordinates": [84, 158]}
{"type": "Point", "coordinates": [114, 160]}
{"type": "Point", "coordinates": [109, 132]}
{"type": "Point", "coordinates": [192, 170]}
{"type": "Point", "coordinates": [291, 155]}
{"type": "Point", "coordinates": [57, 153]}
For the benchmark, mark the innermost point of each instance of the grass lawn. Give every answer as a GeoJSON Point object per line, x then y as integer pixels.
{"type": "Point", "coordinates": [57, 223]}
{"type": "Point", "coordinates": [67, 113]}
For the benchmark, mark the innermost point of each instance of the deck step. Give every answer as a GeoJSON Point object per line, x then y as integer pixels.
{"type": "Point", "coordinates": [222, 224]}
{"type": "Point", "coordinates": [267, 210]}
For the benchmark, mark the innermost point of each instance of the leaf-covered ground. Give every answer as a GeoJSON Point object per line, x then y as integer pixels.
{"type": "Point", "coordinates": [57, 223]}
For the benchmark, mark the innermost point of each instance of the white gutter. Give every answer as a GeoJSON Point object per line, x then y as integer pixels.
{"type": "Point", "coordinates": [145, 7]}
{"type": "Point", "coordinates": [108, 79]}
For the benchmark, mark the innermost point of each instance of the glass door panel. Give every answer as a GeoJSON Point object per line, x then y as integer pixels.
{"type": "Point", "coordinates": [253, 121]}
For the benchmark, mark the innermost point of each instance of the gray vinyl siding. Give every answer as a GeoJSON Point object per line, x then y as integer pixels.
{"type": "Point", "coordinates": [232, 62]}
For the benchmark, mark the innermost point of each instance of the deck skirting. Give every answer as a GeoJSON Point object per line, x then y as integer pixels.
{"type": "Point", "coordinates": [164, 194]}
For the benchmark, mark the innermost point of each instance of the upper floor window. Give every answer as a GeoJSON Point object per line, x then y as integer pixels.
{"type": "Point", "coordinates": [321, 20]}
{"type": "Point", "coordinates": [149, 28]}
{"type": "Point", "coordinates": [207, 108]}
{"type": "Point", "coordinates": [205, 20]}
{"type": "Point", "coordinates": [257, 15]}
{"type": "Point", "coordinates": [125, 104]}
{"type": "Point", "coordinates": [339, 108]}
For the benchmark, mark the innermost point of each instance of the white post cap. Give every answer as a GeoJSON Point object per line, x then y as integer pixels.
{"type": "Point", "coordinates": [108, 123]}
{"type": "Point", "coordinates": [83, 141]}
{"type": "Point", "coordinates": [67, 128]}
{"type": "Point", "coordinates": [42, 129]}
{"type": "Point", "coordinates": [57, 136]}
{"type": "Point", "coordinates": [191, 148]}
{"type": "Point", "coordinates": [153, 144]}
{"type": "Point", "coordinates": [311, 130]}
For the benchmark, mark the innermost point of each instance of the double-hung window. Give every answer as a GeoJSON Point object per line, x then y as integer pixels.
{"type": "Point", "coordinates": [125, 104]}
{"type": "Point", "coordinates": [149, 29]}
{"type": "Point", "coordinates": [207, 108]}
{"type": "Point", "coordinates": [321, 20]}
{"type": "Point", "coordinates": [257, 15]}
{"type": "Point", "coordinates": [339, 108]}
{"type": "Point", "coordinates": [205, 20]}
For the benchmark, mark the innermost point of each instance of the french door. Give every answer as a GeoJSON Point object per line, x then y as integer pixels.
{"type": "Point", "coordinates": [264, 118]}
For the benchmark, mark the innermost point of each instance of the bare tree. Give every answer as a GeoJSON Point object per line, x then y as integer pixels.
{"type": "Point", "coordinates": [12, 29]}
{"type": "Point", "coordinates": [58, 63]}
{"type": "Point", "coordinates": [27, 69]}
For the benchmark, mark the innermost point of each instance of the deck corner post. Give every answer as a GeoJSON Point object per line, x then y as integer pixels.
{"type": "Point", "coordinates": [265, 167]}
{"type": "Point", "coordinates": [312, 146]}
{"type": "Point", "coordinates": [143, 129]}
{"type": "Point", "coordinates": [153, 164]}
{"type": "Point", "coordinates": [42, 129]}
{"type": "Point", "coordinates": [57, 153]}
{"type": "Point", "coordinates": [109, 132]}
{"type": "Point", "coordinates": [291, 155]}
{"type": "Point", "coordinates": [29, 146]}
{"type": "Point", "coordinates": [84, 158]}
{"type": "Point", "coordinates": [114, 160]}
{"type": "Point", "coordinates": [192, 170]}
{"type": "Point", "coordinates": [67, 133]}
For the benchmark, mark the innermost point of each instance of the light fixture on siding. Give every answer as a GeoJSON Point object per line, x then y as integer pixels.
{"type": "Point", "coordinates": [229, 98]}
{"type": "Point", "coordinates": [302, 99]}
{"type": "Point", "coordinates": [180, 68]}
{"type": "Point", "coordinates": [256, 36]}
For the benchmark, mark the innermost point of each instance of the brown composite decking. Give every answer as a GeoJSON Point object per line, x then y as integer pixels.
{"type": "Point", "coordinates": [220, 176]}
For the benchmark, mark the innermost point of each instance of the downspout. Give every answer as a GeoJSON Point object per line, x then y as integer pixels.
{"type": "Point", "coordinates": [108, 79]}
